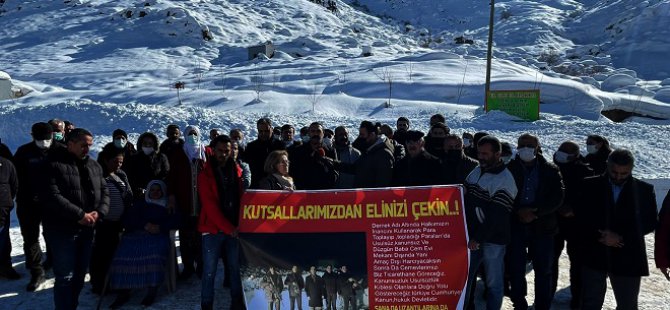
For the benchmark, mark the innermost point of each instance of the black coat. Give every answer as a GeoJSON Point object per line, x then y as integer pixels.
{"type": "Point", "coordinates": [9, 185]}
{"type": "Point", "coordinates": [598, 161]}
{"type": "Point", "coordinates": [5, 152]}
{"type": "Point", "coordinates": [548, 199]}
{"type": "Point", "coordinates": [454, 171]}
{"type": "Point", "coordinates": [310, 171]}
{"type": "Point", "coordinates": [271, 182]}
{"type": "Point", "coordinates": [315, 288]}
{"type": "Point", "coordinates": [291, 281]}
{"type": "Point", "coordinates": [141, 169]}
{"type": "Point", "coordinates": [256, 153]}
{"type": "Point", "coordinates": [346, 285]}
{"type": "Point", "coordinates": [330, 281]}
{"type": "Point", "coordinates": [374, 168]}
{"type": "Point", "coordinates": [573, 174]}
{"type": "Point", "coordinates": [31, 162]}
{"type": "Point", "coordinates": [398, 150]}
{"type": "Point", "coordinates": [632, 217]}
{"type": "Point", "coordinates": [71, 191]}
{"type": "Point", "coordinates": [419, 171]}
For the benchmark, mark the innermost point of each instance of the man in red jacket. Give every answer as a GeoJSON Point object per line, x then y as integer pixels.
{"type": "Point", "coordinates": [220, 189]}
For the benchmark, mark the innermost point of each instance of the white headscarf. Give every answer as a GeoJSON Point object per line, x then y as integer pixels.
{"type": "Point", "coordinates": [197, 150]}
{"type": "Point", "coordinates": [163, 201]}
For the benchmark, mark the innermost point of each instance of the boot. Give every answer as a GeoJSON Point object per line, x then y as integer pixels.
{"type": "Point", "coordinates": [35, 282]}
{"type": "Point", "coordinates": [206, 306]}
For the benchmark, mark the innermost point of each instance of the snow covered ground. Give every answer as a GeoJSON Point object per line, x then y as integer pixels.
{"type": "Point", "coordinates": [114, 64]}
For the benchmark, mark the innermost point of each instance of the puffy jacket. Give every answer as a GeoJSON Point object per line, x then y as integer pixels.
{"type": "Point", "coordinates": [31, 162]}
{"type": "Point", "coordinates": [68, 197]}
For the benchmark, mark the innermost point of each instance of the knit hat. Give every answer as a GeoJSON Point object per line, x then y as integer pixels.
{"type": "Point", "coordinates": [120, 132]}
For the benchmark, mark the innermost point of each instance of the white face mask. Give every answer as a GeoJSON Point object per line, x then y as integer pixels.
{"type": "Point", "coordinates": [328, 142]}
{"type": "Point", "coordinates": [192, 139]}
{"type": "Point", "coordinates": [561, 157]}
{"type": "Point", "coordinates": [305, 139]}
{"type": "Point", "coordinates": [147, 150]}
{"type": "Point", "coordinates": [288, 143]}
{"type": "Point", "coordinates": [43, 144]}
{"type": "Point", "coordinates": [120, 143]}
{"type": "Point", "coordinates": [466, 142]}
{"type": "Point", "coordinates": [526, 154]}
{"type": "Point", "coordinates": [591, 148]}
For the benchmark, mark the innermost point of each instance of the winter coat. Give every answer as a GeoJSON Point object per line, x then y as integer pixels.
{"type": "Point", "coordinates": [5, 152]}
{"type": "Point", "coordinates": [142, 168]}
{"type": "Point", "coordinates": [398, 150]}
{"type": "Point", "coordinates": [548, 198]}
{"type": "Point", "coordinates": [256, 153]}
{"type": "Point", "coordinates": [330, 281]}
{"type": "Point", "coordinates": [9, 185]}
{"type": "Point", "coordinates": [573, 174]}
{"type": "Point", "coordinates": [129, 149]}
{"type": "Point", "coordinates": [141, 213]}
{"type": "Point", "coordinates": [454, 171]}
{"type": "Point", "coordinates": [489, 201]}
{"type": "Point", "coordinates": [375, 167]}
{"type": "Point", "coordinates": [315, 288]}
{"type": "Point", "coordinates": [120, 183]}
{"type": "Point", "coordinates": [346, 285]}
{"type": "Point", "coordinates": [419, 171]}
{"type": "Point", "coordinates": [219, 194]}
{"type": "Point", "coordinates": [662, 242]}
{"type": "Point", "coordinates": [31, 162]}
{"type": "Point", "coordinates": [168, 146]}
{"type": "Point", "coordinates": [346, 154]}
{"type": "Point", "coordinates": [273, 286]}
{"type": "Point", "coordinates": [311, 171]}
{"type": "Point", "coordinates": [75, 187]}
{"type": "Point", "coordinates": [598, 161]}
{"type": "Point", "coordinates": [632, 217]}
{"type": "Point", "coordinates": [271, 182]}
{"type": "Point", "coordinates": [295, 284]}
{"type": "Point", "coordinates": [246, 174]}
{"type": "Point", "coordinates": [182, 181]}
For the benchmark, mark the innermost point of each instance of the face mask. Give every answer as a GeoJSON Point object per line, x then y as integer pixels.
{"type": "Point", "coordinates": [147, 150]}
{"type": "Point", "coordinates": [43, 144]}
{"type": "Point", "coordinates": [328, 142]}
{"type": "Point", "coordinates": [591, 148]}
{"type": "Point", "coordinates": [466, 142]}
{"type": "Point", "coordinates": [120, 143]}
{"type": "Point", "coordinates": [192, 139]}
{"type": "Point", "coordinates": [58, 136]}
{"type": "Point", "coordinates": [305, 139]}
{"type": "Point", "coordinates": [527, 154]}
{"type": "Point", "coordinates": [276, 137]}
{"type": "Point", "coordinates": [561, 157]}
{"type": "Point", "coordinates": [506, 159]}
{"type": "Point", "coordinates": [288, 143]}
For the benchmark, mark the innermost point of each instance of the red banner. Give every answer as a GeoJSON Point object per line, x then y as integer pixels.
{"type": "Point", "coordinates": [414, 239]}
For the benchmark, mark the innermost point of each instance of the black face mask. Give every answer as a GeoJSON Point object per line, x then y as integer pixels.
{"type": "Point", "coordinates": [453, 154]}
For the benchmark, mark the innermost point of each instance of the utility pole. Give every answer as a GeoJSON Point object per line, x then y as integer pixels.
{"type": "Point", "coordinates": [489, 56]}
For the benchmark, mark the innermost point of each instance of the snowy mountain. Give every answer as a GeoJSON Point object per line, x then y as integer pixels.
{"type": "Point", "coordinates": [116, 64]}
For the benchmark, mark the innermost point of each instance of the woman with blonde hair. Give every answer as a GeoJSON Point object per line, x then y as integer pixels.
{"type": "Point", "coordinates": [277, 168]}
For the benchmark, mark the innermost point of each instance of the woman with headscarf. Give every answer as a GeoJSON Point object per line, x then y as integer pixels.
{"type": "Point", "coordinates": [185, 165]}
{"type": "Point", "coordinates": [142, 256]}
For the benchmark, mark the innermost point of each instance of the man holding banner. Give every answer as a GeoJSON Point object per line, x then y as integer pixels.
{"type": "Point", "coordinates": [488, 204]}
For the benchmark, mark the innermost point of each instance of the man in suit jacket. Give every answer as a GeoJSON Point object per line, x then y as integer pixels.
{"type": "Point", "coordinates": [617, 211]}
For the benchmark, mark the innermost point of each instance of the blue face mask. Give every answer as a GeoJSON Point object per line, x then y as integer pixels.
{"type": "Point", "coordinates": [192, 139]}
{"type": "Point", "coordinates": [120, 143]}
{"type": "Point", "coordinates": [58, 136]}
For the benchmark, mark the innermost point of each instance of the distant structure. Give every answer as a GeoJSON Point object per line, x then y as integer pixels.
{"type": "Point", "coordinates": [267, 48]}
{"type": "Point", "coordinates": [6, 91]}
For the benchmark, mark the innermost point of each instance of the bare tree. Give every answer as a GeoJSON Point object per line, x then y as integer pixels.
{"type": "Point", "coordinates": [275, 79]}
{"type": "Point", "coordinates": [409, 67]}
{"type": "Point", "coordinates": [199, 72]}
{"type": "Point", "coordinates": [386, 75]}
{"type": "Point", "coordinates": [315, 96]}
{"type": "Point", "coordinates": [258, 81]}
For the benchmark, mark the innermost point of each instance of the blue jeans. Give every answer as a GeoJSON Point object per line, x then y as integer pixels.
{"type": "Point", "coordinates": [212, 245]}
{"type": "Point", "coordinates": [493, 258]}
{"type": "Point", "coordinates": [541, 250]}
{"type": "Point", "coordinates": [71, 256]}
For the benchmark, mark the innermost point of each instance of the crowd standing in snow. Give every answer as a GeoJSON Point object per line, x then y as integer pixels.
{"type": "Point", "coordinates": [113, 217]}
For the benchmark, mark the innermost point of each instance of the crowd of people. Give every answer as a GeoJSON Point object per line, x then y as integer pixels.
{"type": "Point", "coordinates": [112, 217]}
